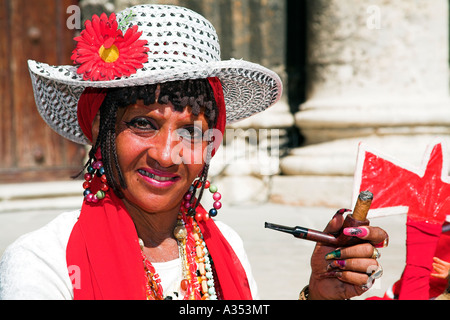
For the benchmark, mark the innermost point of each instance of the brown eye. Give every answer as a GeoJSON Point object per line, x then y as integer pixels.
{"type": "Point", "coordinates": [141, 124]}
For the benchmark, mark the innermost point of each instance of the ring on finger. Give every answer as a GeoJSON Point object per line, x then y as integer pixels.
{"type": "Point", "coordinates": [376, 254]}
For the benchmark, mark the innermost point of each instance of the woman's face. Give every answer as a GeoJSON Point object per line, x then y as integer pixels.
{"type": "Point", "coordinates": [160, 152]}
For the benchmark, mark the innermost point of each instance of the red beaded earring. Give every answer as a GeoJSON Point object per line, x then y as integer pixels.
{"type": "Point", "coordinates": [95, 168]}
{"type": "Point", "coordinates": [189, 199]}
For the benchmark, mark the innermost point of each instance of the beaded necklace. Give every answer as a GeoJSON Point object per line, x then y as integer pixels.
{"type": "Point", "coordinates": [197, 274]}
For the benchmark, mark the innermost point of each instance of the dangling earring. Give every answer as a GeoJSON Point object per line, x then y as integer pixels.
{"type": "Point", "coordinates": [190, 196]}
{"type": "Point", "coordinates": [95, 168]}
{"type": "Point", "coordinates": [202, 183]}
{"type": "Point", "coordinates": [216, 197]}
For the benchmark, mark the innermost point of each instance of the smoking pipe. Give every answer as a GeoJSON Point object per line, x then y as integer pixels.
{"type": "Point", "coordinates": [355, 219]}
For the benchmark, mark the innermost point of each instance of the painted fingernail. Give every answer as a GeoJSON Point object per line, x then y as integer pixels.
{"type": "Point", "coordinates": [336, 264]}
{"type": "Point", "coordinates": [356, 232]}
{"type": "Point", "coordinates": [342, 211]}
{"type": "Point", "coordinates": [333, 255]}
{"type": "Point", "coordinates": [382, 244]}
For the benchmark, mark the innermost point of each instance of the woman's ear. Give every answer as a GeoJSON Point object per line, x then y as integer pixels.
{"type": "Point", "coordinates": [95, 127]}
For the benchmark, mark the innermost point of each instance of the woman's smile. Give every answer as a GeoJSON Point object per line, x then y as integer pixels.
{"type": "Point", "coordinates": [158, 179]}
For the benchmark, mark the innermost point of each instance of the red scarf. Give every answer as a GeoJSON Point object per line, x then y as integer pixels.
{"type": "Point", "coordinates": [103, 250]}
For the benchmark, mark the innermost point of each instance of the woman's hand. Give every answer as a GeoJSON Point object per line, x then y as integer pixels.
{"type": "Point", "coordinates": [342, 273]}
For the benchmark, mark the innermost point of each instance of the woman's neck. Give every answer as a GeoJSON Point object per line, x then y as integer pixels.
{"type": "Point", "coordinates": [156, 231]}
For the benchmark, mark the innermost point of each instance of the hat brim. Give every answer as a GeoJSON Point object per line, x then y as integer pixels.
{"type": "Point", "coordinates": [248, 88]}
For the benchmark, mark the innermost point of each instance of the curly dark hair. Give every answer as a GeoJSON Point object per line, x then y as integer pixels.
{"type": "Point", "coordinates": [196, 94]}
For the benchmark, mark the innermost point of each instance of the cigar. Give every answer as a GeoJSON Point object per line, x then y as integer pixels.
{"type": "Point", "coordinates": [356, 219]}
{"type": "Point", "coordinates": [362, 206]}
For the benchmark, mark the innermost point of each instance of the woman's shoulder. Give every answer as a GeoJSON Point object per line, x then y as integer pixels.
{"type": "Point", "coordinates": [230, 234]}
{"type": "Point", "coordinates": [54, 234]}
{"type": "Point", "coordinates": [45, 251]}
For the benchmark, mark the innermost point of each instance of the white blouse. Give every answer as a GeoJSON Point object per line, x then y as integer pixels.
{"type": "Point", "coordinates": [34, 266]}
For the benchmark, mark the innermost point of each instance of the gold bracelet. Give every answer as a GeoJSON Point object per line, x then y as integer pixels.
{"type": "Point", "coordinates": [304, 294]}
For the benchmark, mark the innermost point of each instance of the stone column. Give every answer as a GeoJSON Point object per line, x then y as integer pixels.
{"type": "Point", "coordinates": [378, 72]}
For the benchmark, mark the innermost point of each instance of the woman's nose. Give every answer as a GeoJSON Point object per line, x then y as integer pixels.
{"type": "Point", "coordinates": [166, 151]}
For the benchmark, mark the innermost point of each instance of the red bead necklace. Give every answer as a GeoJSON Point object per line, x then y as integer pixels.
{"type": "Point", "coordinates": [198, 279]}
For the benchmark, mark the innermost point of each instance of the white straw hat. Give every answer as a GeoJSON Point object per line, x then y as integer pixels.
{"type": "Point", "coordinates": [181, 45]}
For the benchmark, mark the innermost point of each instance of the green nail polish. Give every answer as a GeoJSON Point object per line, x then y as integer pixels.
{"type": "Point", "coordinates": [333, 255]}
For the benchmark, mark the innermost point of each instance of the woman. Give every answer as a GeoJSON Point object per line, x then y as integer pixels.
{"type": "Point", "coordinates": [152, 96]}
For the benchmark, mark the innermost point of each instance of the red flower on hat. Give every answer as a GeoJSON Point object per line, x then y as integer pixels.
{"type": "Point", "coordinates": [103, 52]}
